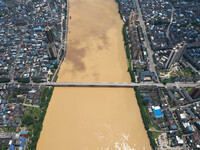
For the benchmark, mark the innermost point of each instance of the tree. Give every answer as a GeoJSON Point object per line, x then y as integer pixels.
{"type": "Point", "coordinates": [24, 80]}
{"type": "Point", "coordinates": [27, 119]}
{"type": "Point", "coordinates": [55, 66]}
{"type": "Point", "coordinates": [127, 52]}
{"type": "Point", "coordinates": [145, 102]}
{"type": "Point", "coordinates": [37, 81]}
{"type": "Point", "coordinates": [3, 147]}
{"type": "Point", "coordinates": [14, 95]}
{"type": "Point", "coordinates": [4, 80]}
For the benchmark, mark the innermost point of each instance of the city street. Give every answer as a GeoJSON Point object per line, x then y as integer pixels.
{"type": "Point", "coordinates": [146, 42]}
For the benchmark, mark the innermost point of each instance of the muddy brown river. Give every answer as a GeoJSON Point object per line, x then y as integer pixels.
{"type": "Point", "coordinates": [94, 118]}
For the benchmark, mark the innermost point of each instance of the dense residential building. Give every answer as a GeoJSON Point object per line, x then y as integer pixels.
{"type": "Point", "coordinates": [135, 39]}
{"type": "Point", "coordinates": [27, 49]}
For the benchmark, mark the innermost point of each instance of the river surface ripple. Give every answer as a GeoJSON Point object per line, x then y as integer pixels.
{"type": "Point", "coordinates": [94, 118]}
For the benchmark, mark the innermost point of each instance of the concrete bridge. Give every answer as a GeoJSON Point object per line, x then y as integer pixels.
{"type": "Point", "coordinates": [104, 84]}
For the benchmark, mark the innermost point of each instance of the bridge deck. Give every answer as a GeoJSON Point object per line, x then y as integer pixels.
{"type": "Point", "coordinates": [90, 84]}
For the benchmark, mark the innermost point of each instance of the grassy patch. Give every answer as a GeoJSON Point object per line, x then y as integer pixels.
{"type": "Point", "coordinates": [33, 117]}
{"type": "Point", "coordinates": [143, 109]}
{"type": "Point", "coordinates": [155, 134]}
{"type": "Point", "coordinates": [188, 89]}
{"type": "Point", "coordinates": [165, 81]}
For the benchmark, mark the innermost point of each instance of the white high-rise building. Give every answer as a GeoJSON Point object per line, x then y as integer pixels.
{"type": "Point", "coordinates": [176, 54]}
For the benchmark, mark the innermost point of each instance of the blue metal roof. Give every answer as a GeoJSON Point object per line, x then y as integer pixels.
{"type": "Point", "coordinates": [158, 113]}
{"type": "Point", "coordinates": [12, 147]}
{"type": "Point", "coordinates": [23, 132]}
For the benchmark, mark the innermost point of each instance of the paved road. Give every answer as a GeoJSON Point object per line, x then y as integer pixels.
{"type": "Point", "coordinates": [161, 131]}
{"type": "Point", "coordinates": [193, 68]}
{"type": "Point", "coordinates": [90, 84]}
{"type": "Point", "coordinates": [181, 84]}
{"type": "Point", "coordinates": [104, 84]}
{"type": "Point", "coordinates": [64, 42]}
{"type": "Point", "coordinates": [49, 7]}
{"type": "Point", "coordinates": [29, 105]}
{"type": "Point", "coordinates": [147, 43]}
{"type": "Point", "coordinates": [171, 20]}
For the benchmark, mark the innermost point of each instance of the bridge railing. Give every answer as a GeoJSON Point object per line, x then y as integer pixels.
{"type": "Point", "coordinates": [104, 84]}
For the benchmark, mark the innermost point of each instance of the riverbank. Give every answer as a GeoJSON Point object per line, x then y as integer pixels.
{"type": "Point", "coordinates": [145, 118]}
{"type": "Point", "coordinates": [95, 118]}
{"type": "Point", "coordinates": [126, 46]}
{"type": "Point", "coordinates": [126, 43]}
{"type": "Point", "coordinates": [64, 42]}
{"type": "Point", "coordinates": [131, 70]}
{"type": "Point", "coordinates": [33, 117]}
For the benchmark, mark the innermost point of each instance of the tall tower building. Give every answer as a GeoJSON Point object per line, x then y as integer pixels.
{"type": "Point", "coordinates": [176, 54]}
{"type": "Point", "coordinates": [52, 51]}
{"type": "Point", "coordinates": [49, 34]}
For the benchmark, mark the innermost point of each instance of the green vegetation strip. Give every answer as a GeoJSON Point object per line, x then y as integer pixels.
{"type": "Point", "coordinates": [125, 36]}
{"type": "Point", "coordinates": [147, 124]}
{"type": "Point", "coordinates": [169, 80]}
{"type": "Point", "coordinates": [37, 81]}
{"type": "Point", "coordinates": [4, 80]}
{"type": "Point", "coordinates": [24, 80]}
{"type": "Point", "coordinates": [119, 8]}
{"type": "Point", "coordinates": [33, 117]}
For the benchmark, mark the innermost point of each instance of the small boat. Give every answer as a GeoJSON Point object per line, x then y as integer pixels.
{"type": "Point", "coordinates": [65, 59]}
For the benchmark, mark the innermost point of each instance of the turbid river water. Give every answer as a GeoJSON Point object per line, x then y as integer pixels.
{"type": "Point", "coordinates": [94, 118]}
